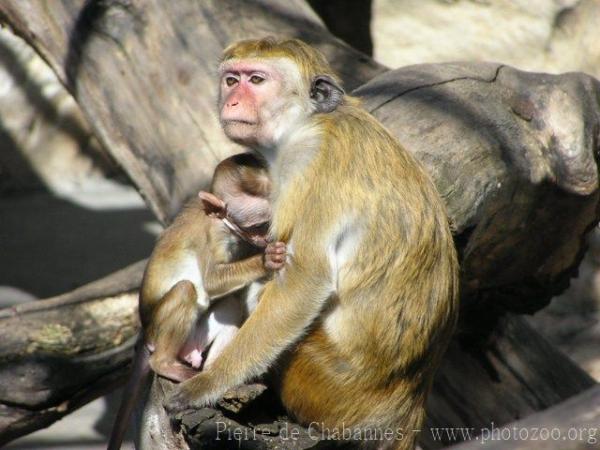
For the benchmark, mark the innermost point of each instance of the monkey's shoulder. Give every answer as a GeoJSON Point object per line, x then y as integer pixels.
{"type": "Point", "coordinates": [353, 127]}
{"type": "Point", "coordinates": [189, 230]}
{"type": "Point", "coordinates": [352, 115]}
{"type": "Point", "coordinates": [192, 216]}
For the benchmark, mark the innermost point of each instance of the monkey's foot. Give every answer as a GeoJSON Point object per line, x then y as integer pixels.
{"type": "Point", "coordinates": [194, 358]}
{"type": "Point", "coordinates": [175, 371]}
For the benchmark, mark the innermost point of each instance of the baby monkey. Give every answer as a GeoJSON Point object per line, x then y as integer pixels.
{"type": "Point", "coordinates": [211, 250]}
{"type": "Point", "coordinates": [216, 246]}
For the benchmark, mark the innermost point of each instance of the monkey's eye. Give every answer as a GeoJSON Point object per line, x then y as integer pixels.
{"type": "Point", "coordinates": [260, 228]}
{"type": "Point", "coordinates": [230, 81]}
{"type": "Point", "coordinates": [256, 79]}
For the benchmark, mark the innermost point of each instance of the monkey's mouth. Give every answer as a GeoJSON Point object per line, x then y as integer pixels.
{"type": "Point", "coordinates": [230, 122]}
{"type": "Point", "coordinates": [258, 240]}
{"type": "Point", "coordinates": [241, 131]}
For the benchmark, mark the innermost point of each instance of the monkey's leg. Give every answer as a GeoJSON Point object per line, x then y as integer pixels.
{"type": "Point", "coordinates": [174, 320]}
{"type": "Point", "coordinates": [321, 388]}
{"type": "Point", "coordinates": [224, 323]}
{"type": "Point", "coordinates": [287, 307]}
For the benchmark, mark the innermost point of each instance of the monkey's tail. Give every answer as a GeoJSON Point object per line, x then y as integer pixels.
{"type": "Point", "coordinates": [138, 379]}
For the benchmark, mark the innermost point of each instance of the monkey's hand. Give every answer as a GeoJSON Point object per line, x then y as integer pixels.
{"type": "Point", "coordinates": [275, 253]}
{"type": "Point", "coordinates": [197, 392]}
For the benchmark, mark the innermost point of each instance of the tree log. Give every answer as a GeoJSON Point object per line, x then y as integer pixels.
{"type": "Point", "coordinates": [512, 154]}
{"type": "Point", "coordinates": [498, 380]}
{"type": "Point", "coordinates": [89, 333]}
{"type": "Point", "coordinates": [159, 60]}
{"type": "Point", "coordinates": [571, 425]}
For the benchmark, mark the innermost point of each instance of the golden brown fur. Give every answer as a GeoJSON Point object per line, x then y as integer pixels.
{"type": "Point", "coordinates": [228, 264]}
{"type": "Point", "coordinates": [307, 60]}
{"type": "Point", "coordinates": [367, 302]}
{"type": "Point", "coordinates": [195, 261]}
{"type": "Point", "coordinates": [196, 240]}
{"type": "Point", "coordinates": [402, 289]}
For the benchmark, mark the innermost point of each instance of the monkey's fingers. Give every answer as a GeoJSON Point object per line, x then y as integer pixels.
{"type": "Point", "coordinates": [275, 258]}
{"type": "Point", "coordinates": [276, 248]}
{"type": "Point", "coordinates": [274, 263]}
{"type": "Point", "coordinates": [280, 248]}
{"type": "Point", "coordinates": [191, 394]}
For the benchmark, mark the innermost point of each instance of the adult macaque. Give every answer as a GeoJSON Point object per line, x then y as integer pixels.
{"type": "Point", "coordinates": [211, 251]}
{"type": "Point", "coordinates": [360, 316]}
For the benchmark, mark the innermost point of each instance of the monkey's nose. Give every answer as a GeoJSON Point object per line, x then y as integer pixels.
{"type": "Point", "coordinates": [232, 104]}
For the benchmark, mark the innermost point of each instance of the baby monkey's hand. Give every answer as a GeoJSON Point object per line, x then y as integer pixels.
{"type": "Point", "coordinates": [275, 253]}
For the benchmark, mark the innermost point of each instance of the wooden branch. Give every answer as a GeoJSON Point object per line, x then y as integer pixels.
{"type": "Point", "coordinates": [513, 155]}
{"type": "Point", "coordinates": [88, 333]}
{"type": "Point", "coordinates": [499, 380]}
{"type": "Point", "coordinates": [571, 425]}
{"type": "Point", "coordinates": [143, 74]}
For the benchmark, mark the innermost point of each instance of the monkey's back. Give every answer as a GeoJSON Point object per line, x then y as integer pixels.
{"type": "Point", "coordinates": [179, 254]}
{"type": "Point", "coordinates": [374, 351]}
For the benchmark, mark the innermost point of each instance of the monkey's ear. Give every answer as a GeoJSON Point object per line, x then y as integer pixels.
{"type": "Point", "coordinates": [213, 205]}
{"type": "Point", "coordinates": [327, 93]}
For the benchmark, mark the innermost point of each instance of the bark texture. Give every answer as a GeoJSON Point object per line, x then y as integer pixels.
{"type": "Point", "coordinates": [571, 425]}
{"type": "Point", "coordinates": [58, 354]}
{"type": "Point", "coordinates": [143, 73]}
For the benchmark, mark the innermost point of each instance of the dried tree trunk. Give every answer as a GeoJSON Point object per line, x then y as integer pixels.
{"type": "Point", "coordinates": [157, 115]}
{"type": "Point", "coordinates": [512, 154]}
{"type": "Point", "coordinates": [571, 425]}
{"type": "Point", "coordinates": [58, 354]}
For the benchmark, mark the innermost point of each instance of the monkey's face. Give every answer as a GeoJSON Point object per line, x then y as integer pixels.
{"type": "Point", "coordinates": [260, 99]}
{"type": "Point", "coordinates": [252, 214]}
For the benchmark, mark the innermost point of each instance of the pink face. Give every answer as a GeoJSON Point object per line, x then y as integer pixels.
{"type": "Point", "coordinates": [249, 90]}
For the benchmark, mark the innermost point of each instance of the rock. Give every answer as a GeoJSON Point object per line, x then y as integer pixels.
{"type": "Point", "coordinates": [542, 35]}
